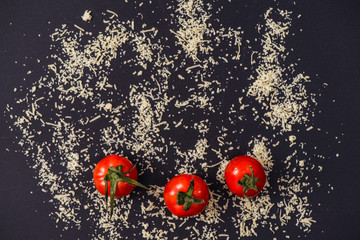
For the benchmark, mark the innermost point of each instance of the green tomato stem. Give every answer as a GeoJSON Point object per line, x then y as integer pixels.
{"type": "Point", "coordinates": [115, 175]}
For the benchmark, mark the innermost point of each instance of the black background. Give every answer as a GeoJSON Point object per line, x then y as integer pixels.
{"type": "Point", "coordinates": [329, 49]}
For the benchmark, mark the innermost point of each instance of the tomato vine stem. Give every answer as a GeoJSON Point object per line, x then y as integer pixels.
{"type": "Point", "coordinates": [115, 175]}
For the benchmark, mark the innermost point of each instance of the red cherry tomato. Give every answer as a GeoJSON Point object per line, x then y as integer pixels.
{"type": "Point", "coordinates": [101, 169]}
{"type": "Point", "coordinates": [115, 176]}
{"type": "Point", "coordinates": [245, 176]}
{"type": "Point", "coordinates": [186, 195]}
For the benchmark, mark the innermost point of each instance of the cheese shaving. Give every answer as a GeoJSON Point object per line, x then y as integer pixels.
{"type": "Point", "coordinates": [172, 116]}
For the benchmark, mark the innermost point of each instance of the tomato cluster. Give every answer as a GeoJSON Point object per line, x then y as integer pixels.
{"type": "Point", "coordinates": [184, 195]}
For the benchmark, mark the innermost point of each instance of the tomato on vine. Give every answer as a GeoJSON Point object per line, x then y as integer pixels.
{"type": "Point", "coordinates": [186, 195]}
{"type": "Point", "coordinates": [245, 176]}
{"type": "Point", "coordinates": [115, 176]}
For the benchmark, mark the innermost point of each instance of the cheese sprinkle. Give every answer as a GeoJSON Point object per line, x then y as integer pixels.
{"type": "Point", "coordinates": [77, 112]}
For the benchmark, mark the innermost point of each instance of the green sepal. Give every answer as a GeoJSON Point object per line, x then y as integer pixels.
{"type": "Point", "coordinates": [186, 198]}
{"type": "Point", "coordinates": [248, 182]}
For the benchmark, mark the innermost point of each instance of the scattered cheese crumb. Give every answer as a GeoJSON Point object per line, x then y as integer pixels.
{"type": "Point", "coordinates": [86, 16]}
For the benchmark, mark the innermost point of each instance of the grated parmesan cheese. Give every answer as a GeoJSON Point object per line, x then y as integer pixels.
{"type": "Point", "coordinates": [76, 113]}
{"type": "Point", "coordinates": [86, 16]}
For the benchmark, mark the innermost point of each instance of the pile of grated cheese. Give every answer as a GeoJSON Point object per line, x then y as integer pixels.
{"type": "Point", "coordinates": [169, 118]}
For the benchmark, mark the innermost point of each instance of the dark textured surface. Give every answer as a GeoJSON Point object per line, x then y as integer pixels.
{"type": "Point", "coordinates": [329, 50]}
